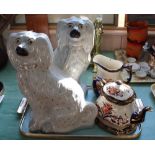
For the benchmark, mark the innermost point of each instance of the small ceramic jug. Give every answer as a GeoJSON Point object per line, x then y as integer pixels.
{"type": "Point", "coordinates": [108, 68]}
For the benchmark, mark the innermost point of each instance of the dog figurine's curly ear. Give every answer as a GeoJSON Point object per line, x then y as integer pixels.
{"type": "Point", "coordinates": [44, 51]}
{"type": "Point", "coordinates": [61, 52]}
{"type": "Point", "coordinates": [89, 36]}
{"type": "Point", "coordinates": [62, 30]}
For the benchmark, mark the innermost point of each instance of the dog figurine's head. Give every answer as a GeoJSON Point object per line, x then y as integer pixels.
{"type": "Point", "coordinates": [29, 50]}
{"type": "Point", "coordinates": [76, 32]}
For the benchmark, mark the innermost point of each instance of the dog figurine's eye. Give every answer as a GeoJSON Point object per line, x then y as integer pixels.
{"type": "Point", "coordinates": [18, 40]}
{"type": "Point", "coordinates": [80, 26]}
{"type": "Point", "coordinates": [70, 25]}
{"type": "Point", "coordinates": [30, 41]}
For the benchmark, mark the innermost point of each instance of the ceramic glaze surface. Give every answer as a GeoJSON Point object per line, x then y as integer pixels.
{"type": "Point", "coordinates": [108, 68]}
{"type": "Point", "coordinates": [114, 115]}
{"type": "Point", "coordinates": [108, 63]}
{"type": "Point", "coordinates": [120, 92]}
{"type": "Point", "coordinates": [119, 110]}
{"type": "Point", "coordinates": [75, 42]}
{"type": "Point", "coordinates": [57, 100]}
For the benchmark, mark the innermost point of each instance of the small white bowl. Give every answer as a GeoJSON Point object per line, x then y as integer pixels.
{"type": "Point", "coordinates": [135, 66]}
{"type": "Point", "coordinates": [141, 74]}
{"type": "Point", "coordinates": [144, 66]}
{"type": "Point", "coordinates": [143, 63]}
{"type": "Point", "coordinates": [153, 89]}
{"type": "Point", "coordinates": [131, 59]}
{"type": "Point", "coordinates": [152, 73]}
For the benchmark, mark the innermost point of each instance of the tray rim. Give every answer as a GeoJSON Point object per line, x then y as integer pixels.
{"type": "Point", "coordinates": [54, 136]}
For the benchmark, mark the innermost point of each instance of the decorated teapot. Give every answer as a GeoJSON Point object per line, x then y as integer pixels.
{"type": "Point", "coordinates": [119, 110]}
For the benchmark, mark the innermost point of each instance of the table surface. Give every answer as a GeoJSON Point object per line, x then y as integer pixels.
{"type": "Point", "coordinates": [9, 119]}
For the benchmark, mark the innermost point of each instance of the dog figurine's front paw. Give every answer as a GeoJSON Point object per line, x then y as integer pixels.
{"type": "Point", "coordinates": [88, 114]}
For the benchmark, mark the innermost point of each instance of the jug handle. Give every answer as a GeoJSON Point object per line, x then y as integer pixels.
{"type": "Point", "coordinates": [129, 70]}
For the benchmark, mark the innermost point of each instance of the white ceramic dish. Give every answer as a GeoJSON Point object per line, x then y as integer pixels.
{"type": "Point", "coordinates": [141, 74]}
{"type": "Point", "coordinates": [131, 59]}
{"type": "Point", "coordinates": [135, 66]}
{"type": "Point", "coordinates": [153, 89]}
{"type": "Point", "coordinates": [143, 63]}
{"type": "Point", "coordinates": [144, 66]}
{"type": "Point", "coordinates": [152, 73]}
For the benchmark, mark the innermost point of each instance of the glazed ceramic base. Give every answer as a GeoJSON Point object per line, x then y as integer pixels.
{"type": "Point", "coordinates": [126, 131]}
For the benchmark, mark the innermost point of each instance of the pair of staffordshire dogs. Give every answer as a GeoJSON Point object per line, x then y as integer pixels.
{"type": "Point", "coordinates": [48, 79]}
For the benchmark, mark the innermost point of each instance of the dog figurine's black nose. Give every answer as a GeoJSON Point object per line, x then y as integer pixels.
{"type": "Point", "coordinates": [75, 34]}
{"type": "Point", "coordinates": [21, 51]}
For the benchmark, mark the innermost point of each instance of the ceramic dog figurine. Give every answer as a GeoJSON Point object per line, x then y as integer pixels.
{"type": "Point", "coordinates": [75, 42]}
{"type": "Point", "coordinates": [57, 101]}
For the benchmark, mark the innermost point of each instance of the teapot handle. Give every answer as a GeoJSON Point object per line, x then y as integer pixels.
{"type": "Point", "coordinates": [98, 84]}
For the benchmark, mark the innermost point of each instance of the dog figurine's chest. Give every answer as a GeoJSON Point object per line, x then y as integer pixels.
{"type": "Point", "coordinates": [77, 61]}
{"type": "Point", "coordinates": [76, 55]}
{"type": "Point", "coordinates": [32, 83]}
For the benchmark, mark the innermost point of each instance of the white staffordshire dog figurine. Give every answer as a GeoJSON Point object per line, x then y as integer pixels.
{"type": "Point", "coordinates": [75, 42]}
{"type": "Point", "coordinates": [57, 100]}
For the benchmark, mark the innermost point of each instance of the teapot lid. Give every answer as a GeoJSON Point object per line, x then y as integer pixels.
{"type": "Point", "coordinates": [118, 92]}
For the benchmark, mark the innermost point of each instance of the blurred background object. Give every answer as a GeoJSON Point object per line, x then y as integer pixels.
{"type": "Point", "coordinates": [137, 33]}
{"type": "Point", "coordinates": [37, 23]}
{"type": "Point", "coordinates": [5, 20]}
{"type": "Point", "coordinates": [98, 25]}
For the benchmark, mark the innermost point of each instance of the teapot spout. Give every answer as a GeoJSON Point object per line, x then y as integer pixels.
{"type": "Point", "coordinates": [139, 117]}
